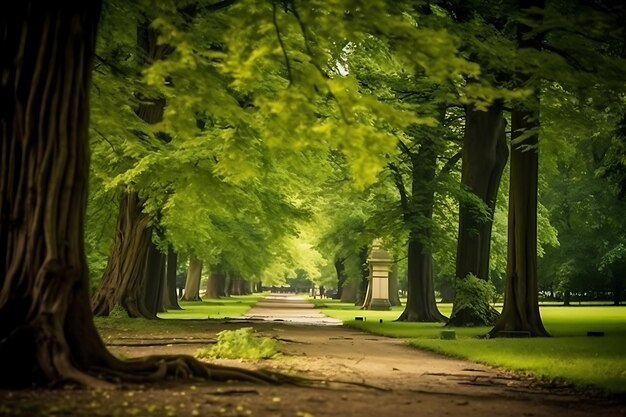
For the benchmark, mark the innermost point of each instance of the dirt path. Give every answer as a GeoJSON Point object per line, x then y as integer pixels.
{"type": "Point", "coordinates": [411, 382]}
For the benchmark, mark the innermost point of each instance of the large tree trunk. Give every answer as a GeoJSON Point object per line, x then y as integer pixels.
{"type": "Point", "coordinates": [216, 285]}
{"type": "Point", "coordinates": [521, 302]}
{"type": "Point", "coordinates": [485, 154]}
{"type": "Point", "coordinates": [192, 284]}
{"type": "Point", "coordinates": [46, 331]}
{"type": "Point", "coordinates": [122, 281]}
{"type": "Point", "coordinates": [47, 335]}
{"type": "Point", "coordinates": [170, 297]}
{"type": "Point", "coordinates": [421, 305]}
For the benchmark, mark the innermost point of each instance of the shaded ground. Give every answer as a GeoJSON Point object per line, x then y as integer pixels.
{"type": "Point", "coordinates": [409, 382]}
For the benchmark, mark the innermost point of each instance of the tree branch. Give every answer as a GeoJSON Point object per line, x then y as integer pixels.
{"type": "Point", "coordinates": [397, 179]}
{"type": "Point", "coordinates": [282, 44]}
{"type": "Point", "coordinates": [451, 163]}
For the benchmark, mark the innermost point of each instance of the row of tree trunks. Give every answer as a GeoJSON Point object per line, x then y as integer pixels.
{"type": "Point", "coordinates": [47, 333]}
{"type": "Point", "coordinates": [239, 286]}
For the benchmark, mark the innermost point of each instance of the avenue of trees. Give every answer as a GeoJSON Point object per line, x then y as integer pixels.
{"type": "Point", "coordinates": [250, 142]}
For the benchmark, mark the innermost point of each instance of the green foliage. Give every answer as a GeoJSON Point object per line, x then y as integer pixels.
{"type": "Point", "coordinates": [473, 302]}
{"type": "Point", "coordinates": [241, 344]}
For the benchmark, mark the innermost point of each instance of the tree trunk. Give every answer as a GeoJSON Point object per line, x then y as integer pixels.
{"type": "Point", "coordinates": [47, 335]}
{"type": "Point", "coordinates": [485, 154]}
{"type": "Point", "coordinates": [484, 157]}
{"type": "Point", "coordinates": [216, 284]}
{"type": "Point", "coordinates": [341, 276]}
{"type": "Point", "coordinates": [418, 213]}
{"type": "Point", "coordinates": [348, 294]}
{"type": "Point", "coordinates": [46, 329]}
{"type": "Point", "coordinates": [394, 296]}
{"type": "Point", "coordinates": [153, 280]}
{"type": "Point", "coordinates": [170, 297]}
{"type": "Point", "coordinates": [122, 281]}
{"type": "Point", "coordinates": [521, 302]}
{"type": "Point", "coordinates": [192, 284]}
{"type": "Point", "coordinates": [363, 285]}
{"type": "Point", "coordinates": [420, 304]}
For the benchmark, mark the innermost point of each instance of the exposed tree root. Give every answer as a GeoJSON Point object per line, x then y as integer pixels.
{"type": "Point", "coordinates": [166, 367]}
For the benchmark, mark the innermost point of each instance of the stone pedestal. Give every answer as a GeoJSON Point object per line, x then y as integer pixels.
{"type": "Point", "coordinates": [379, 262]}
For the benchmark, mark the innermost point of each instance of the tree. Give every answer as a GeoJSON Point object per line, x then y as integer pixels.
{"type": "Point", "coordinates": [521, 305]}
{"type": "Point", "coordinates": [47, 333]}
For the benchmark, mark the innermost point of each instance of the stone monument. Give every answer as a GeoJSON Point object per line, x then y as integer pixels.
{"type": "Point", "coordinates": [379, 262]}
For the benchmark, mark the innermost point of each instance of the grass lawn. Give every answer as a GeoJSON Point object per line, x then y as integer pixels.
{"type": "Point", "coordinates": [597, 363]}
{"type": "Point", "coordinates": [231, 307]}
{"type": "Point", "coordinates": [196, 313]}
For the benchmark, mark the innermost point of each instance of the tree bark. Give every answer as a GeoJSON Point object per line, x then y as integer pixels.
{"type": "Point", "coordinates": [420, 305]}
{"type": "Point", "coordinates": [340, 268]}
{"type": "Point", "coordinates": [216, 285]}
{"type": "Point", "coordinates": [485, 154]}
{"type": "Point", "coordinates": [418, 212]}
{"type": "Point", "coordinates": [521, 302]}
{"type": "Point", "coordinates": [192, 284]}
{"type": "Point", "coordinates": [47, 334]}
{"type": "Point", "coordinates": [394, 296]}
{"type": "Point", "coordinates": [170, 297]}
{"type": "Point", "coordinates": [122, 281]}
{"type": "Point", "coordinates": [363, 285]}
{"type": "Point", "coordinates": [45, 54]}
{"type": "Point", "coordinates": [153, 280]}
{"type": "Point", "coordinates": [348, 294]}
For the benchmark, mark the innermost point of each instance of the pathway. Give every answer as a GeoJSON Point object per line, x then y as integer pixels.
{"type": "Point", "coordinates": [289, 308]}
{"type": "Point", "coordinates": [410, 382]}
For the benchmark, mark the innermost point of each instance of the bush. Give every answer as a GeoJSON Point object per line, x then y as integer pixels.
{"type": "Point", "coordinates": [240, 344]}
{"type": "Point", "coordinates": [472, 303]}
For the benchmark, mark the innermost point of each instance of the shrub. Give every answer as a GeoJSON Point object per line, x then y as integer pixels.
{"type": "Point", "coordinates": [240, 344]}
{"type": "Point", "coordinates": [472, 303]}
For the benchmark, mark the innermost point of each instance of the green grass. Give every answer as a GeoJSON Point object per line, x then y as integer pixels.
{"type": "Point", "coordinates": [195, 314]}
{"type": "Point", "coordinates": [596, 363]}
{"type": "Point", "coordinates": [231, 307]}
